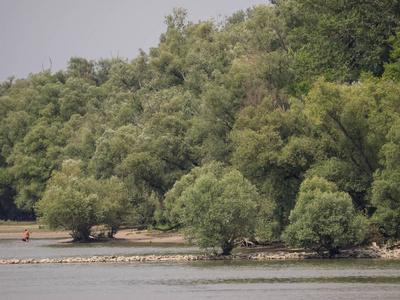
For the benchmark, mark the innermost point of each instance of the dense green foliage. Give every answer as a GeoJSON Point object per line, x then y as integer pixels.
{"type": "Point", "coordinates": [279, 93]}
{"type": "Point", "coordinates": [324, 217]}
{"type": "Point", "coordinates": [216, 206]}
{"type": "Point", "coordinates": [386, 186]}
{"type": "Point", "coordinates": [77, 203]}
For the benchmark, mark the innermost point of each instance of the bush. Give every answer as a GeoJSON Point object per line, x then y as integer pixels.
{"type": "Point", "coordinates": [215, 205]}
{"type": "Point", "coordinates": [77, 203]}
{"type": "Point", "coordinates": [324, 217]}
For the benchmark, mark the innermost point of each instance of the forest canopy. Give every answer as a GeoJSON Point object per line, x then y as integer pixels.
{"type": "Point", "coordinates": [277, 95]}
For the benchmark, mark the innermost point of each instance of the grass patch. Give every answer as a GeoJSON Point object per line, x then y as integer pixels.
{"type": "Point", "coordinates": [17, 223]}
{"type": "Point", "coordinates": [161, 227]}
{"type": "Point", "coordinates": [8, 222]}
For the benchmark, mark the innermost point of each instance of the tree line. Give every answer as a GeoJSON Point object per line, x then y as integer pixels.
{"type": "Point", "coordinates": [279, 122]}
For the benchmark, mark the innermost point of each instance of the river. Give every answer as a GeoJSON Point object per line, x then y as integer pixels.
{"type": "Point", "coordinates": [290, 279]}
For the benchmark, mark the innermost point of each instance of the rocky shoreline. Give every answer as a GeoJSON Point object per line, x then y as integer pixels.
{"type": "Point", "coordinates": [375, 253]}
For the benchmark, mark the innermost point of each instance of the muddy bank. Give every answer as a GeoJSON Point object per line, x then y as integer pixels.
{"type": "Point", "coordinates": [346, 254]}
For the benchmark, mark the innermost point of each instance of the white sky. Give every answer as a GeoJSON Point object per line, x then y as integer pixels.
{"type": "Point", "coordinates": [34, 31]}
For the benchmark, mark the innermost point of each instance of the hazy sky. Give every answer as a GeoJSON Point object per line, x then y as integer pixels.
{"type": "Point", "coordinates": [33, 32]}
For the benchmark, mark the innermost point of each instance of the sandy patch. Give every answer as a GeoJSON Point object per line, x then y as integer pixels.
{"type": "Point", "coordinates": [133, 235]}
{"type": "Point", "coordinates": [16, 231]}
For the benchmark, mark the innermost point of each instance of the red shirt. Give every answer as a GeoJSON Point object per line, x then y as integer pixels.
{"type": "Point", "coordinates": [27, 234]}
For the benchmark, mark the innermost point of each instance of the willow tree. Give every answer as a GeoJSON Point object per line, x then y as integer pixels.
{"type": "Point", "coordinates": [216, 206]}
{"type": "Point", "coordinates": [386, 187]}
{"type": "Point", "coordinates": [324, 218]}
{"type": "Point", "coordinates": [75, 202]}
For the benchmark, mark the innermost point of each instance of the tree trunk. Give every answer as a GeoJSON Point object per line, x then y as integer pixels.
{"type": "Point", "coordinates": [112, 231]}
{"type": "Point", "coordinates": [81, 234]}
{"type": "Point", "coordinates": [227, 247]}
{"type": "Point", "coordinates": [333, 251]}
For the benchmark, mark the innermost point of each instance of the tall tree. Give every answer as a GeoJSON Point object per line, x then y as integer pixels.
{"type": "Point", "coordinates": [385, 188]}
{"type": "Point", "coordinates": [341, 39]}
{"type": "Point", "coordinates": [273, 149]}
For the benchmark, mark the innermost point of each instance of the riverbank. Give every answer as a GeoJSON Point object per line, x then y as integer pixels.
{"type": "Point", "coordinates": [15, 230]}
{"type": "Point", "coordinates": [273, 252]}
{"type": "Point", "coordinates": [261, 256]}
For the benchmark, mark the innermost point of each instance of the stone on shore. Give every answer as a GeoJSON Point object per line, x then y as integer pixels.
{"type": "Point", "coordinates": [373, 253]}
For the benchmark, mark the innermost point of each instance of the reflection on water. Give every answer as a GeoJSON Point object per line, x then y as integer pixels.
{"type": "Point", "coordinates": [303, 279]}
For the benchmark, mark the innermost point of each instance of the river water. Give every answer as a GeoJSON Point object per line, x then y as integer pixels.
{"type": "Point", "coordinates": [290, 279]}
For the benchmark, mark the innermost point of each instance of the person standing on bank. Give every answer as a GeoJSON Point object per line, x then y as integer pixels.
{"type": "Point", "coordinates": [26, 235]}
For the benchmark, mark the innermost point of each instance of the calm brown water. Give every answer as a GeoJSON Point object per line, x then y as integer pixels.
{"type": "Point", "coordinates": [310, 279]}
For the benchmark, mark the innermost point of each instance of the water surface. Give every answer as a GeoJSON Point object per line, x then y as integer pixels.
{"type": "Point", "coordinates": [291, 279]}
